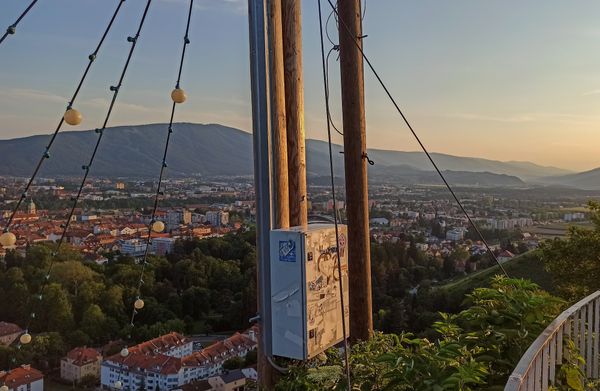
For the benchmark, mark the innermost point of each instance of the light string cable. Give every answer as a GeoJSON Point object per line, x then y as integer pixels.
{"type": "Point", "coordinates": [357, 43]}
{"type": "Point", "coordinates": [139, 304]}
{"type": "Point", "coordinates": [115, 89]}
{"type": "Point", "coordinates": [46, 154]}
{"type": "Point", "coordinates": [335, 211]}
{"type": "Point", "coordinates": [12, 29]}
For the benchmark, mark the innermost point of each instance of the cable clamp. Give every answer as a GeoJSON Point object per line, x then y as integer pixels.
{"type": "Point", "coordinates": [131, 39]}
{"type": "Point", "coordinates": [255, 319]}
{"type": "Point", "coordinates": [11, 29]}
{"type": "Point", "coordinates": [366, 156]}
{"type": "Point", "coordinates": [92, 57]}
{"type": "Point", "coordinates": [114, 88]}
{"type": "Point", "coordinates": [186, 40]}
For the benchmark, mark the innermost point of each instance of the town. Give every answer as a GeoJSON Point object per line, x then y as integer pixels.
{"type": "Point", "coordinates": [114, 221]}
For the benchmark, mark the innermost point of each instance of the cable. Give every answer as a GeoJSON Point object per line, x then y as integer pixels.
{"type": "Point", "coordinates": [13, 27]}
{"type": "Point", "coordinates": [144, 262]}
{"type": "Point", "coordinates": [334, 48]}
{"type": "Point", "coordinates": [335, 211]}
{"type": "Point", "coordinates": [356, 41]}
{"type": "Point", "coordinates": [86, 168]}
{"type": "Point", "coordinates": [46, 154]}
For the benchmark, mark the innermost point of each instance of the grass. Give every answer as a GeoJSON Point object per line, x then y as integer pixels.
{"type": "Point", "coordinates": [528, 266]}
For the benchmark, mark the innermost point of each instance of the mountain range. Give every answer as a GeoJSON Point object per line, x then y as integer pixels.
{"type": "Point", "coordinates": [215, 150]}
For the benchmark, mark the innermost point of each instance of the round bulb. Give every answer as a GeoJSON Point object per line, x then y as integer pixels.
{"type": "Point", "coordinates": [158, 226]}
{"type": "Point", "coordinates": [124, 352]}
{"type": "Point", "coordinates": [73, 117]}
{"type": "Point", "coordinates": [139, 304]}
{"type": "Point", "coordinates": [25, 339]}
{"type": "Point", "coordinates": [8, 239]}
{"type": "Point", "coordinates": [118, 385]}
{"type": "Point", "coordinates": [4, 388]}
{"type": "Point", "coordinates": [178, 95]}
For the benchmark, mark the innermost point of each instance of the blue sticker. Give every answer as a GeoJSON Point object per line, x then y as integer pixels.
{"type": "Point", "coordinates": [287, 251]}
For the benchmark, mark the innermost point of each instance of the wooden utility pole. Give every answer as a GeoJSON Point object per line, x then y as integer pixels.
{"type": "Point", "coordinates": [278, 113]}
{"type": "Point", "coordinates": [294, 103]}
{"type": "Point", "coordinates": [355, 154]}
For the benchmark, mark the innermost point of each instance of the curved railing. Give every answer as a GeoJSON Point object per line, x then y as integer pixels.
{"type": "Point", "coordinates": [537, 368]}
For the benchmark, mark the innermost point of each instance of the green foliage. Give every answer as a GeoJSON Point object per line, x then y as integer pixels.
{"type": "Point", "coordinates": [234, 363]}
{"type": "Point", "coordinates": [474, 349]}
{"type": "Point", "coordinates": [575, 261]}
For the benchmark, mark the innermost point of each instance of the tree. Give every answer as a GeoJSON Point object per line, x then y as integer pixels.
{"type": "Point", "coordinates": [55, 311]}
{"type": "Point", "coordinates": [93, 323]}
{"type": "Point", "coordinates": [574, 262]}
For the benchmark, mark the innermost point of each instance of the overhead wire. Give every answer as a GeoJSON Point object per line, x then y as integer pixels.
{"type": "Point", "coordinates": [144, 262]}
{"type": "Point", "coordinates": [357, 43]}
{"type": "Point", "coordinates": [12, 29]}
{"type": "Point", "coordinates": [46, 153]}
{"type": "Point", "coordinates": [115, 89]}
{"type": "Point", "coordinates": [333, 193]}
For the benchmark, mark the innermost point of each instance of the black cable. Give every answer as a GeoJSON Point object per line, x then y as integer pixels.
{"type": "Point", "coordinates": [335, 210]}
{"type": "Point", "coordinates": [46, 154]}
{"type": "Point", "coordinates": [158, 193]}
{"type": "Point", "coordinates": [87, 167]}
{"type": "Point", "coordinates": [334, 48]}
{"type": "Point", "coordinates": [357, 43]}
{"type": "Point", "coordinates": [13, 27]}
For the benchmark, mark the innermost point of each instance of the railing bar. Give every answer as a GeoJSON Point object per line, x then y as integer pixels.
{"type": "Point", "coordinates": [531, 378]}
{"type": "Point", "coordinates": [581, 336]}
{"type": "Point", "coordinates": [538, 373]}
{"type": "Point", "coordinates": [545, 367]}
{"type": "Point", "coordinates": [589, 356]}
{"type": "Point", "coordinates": [596, 355]}
{"type": "Point", "coordinates": [559, 345]}
{"type": "Point", "coordinates": [553, 357]}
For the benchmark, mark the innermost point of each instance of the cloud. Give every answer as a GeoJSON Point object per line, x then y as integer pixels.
{"type": "Point", "coordinates": [104, 103]}
{"type": "Point", "coordinates": [238, 6]}
{"type": "Point", "coordinates": [592, 92]}
{"type": "Point", "coordinates": [31, 94]}
{"type": "Point", "coordinates": [530, 117]}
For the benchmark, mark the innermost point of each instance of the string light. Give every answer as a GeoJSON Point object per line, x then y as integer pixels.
{"type": "Point", "coordinates": [46, 153]}
{"type": "Point", "coordinates": [25, 338]}
{"type": "Point", "coordinates": [13, 29]}
{"type": "Point", "coordinates": [4, 388]}
{"type": "Point", "coordinates": [178, 96]}
{"type": "Point", "coordinates": [8, 239]}
{"type": "Point", "coordinates": [124, 352]}
{"type": "Point", "coordinates": [118, 385]}
{"type": "Point", "coordinates": [73, 117]}
{"type": "Point", "coordinates": [158, 226]}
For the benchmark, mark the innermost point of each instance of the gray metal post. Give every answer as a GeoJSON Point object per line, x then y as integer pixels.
{"type": "Point", "coordinates": [261, 118]}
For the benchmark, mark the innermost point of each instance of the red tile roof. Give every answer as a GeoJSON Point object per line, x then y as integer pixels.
{"type": "Point", "coordinates": [9, 328]}
{"type": "Point", "coordinates": [83, 356]}
{"type": "Point", "coordinates": [20, 376]}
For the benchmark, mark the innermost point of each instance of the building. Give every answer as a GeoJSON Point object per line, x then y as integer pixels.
{"type": "Point", "coordinates": [9, 332]}
{"type": "Point", "coordinates": [217, 218]}
{"type": "Point", "coordinates": [133, 247]}
{"type": "Point", "coordinates": [162, 246]}
{"type": "Point", "coordinates": [169, 362]}
{"type": "Point", "coordinates": [23, 378]}
{"type": "Point", "coordinates": [228, 381]}
{"type": "Point", "coordinates": [79, 363]}
{"type": "Point", "coordinates": [505, 256]}
{"type": "Point", "coordinates": [455, 235]}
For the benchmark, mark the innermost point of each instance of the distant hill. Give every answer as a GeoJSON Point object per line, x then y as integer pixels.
{"type": "Point", "coordinates": [216, 150]}
{"type": "Point", "coordinates": [588, 180]}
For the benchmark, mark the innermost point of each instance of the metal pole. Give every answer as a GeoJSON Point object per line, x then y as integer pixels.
{"type": "Point", "coordinates": [261, 117]}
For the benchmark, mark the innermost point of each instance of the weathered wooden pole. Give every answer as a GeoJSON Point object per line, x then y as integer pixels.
{"type": "Point", "coordinates": [294, 103]}
{"type": "Point", "coordinates": [278, 114]}
{"type": "Point", "coordinates": [355, 154]}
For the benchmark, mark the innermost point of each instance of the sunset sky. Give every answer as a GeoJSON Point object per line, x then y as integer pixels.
{"type": "Point", "coordinates": [498, 79]}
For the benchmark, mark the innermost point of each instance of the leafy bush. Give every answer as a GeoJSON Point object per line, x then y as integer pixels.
{"type": "Point", "coordinates": [475, 349]}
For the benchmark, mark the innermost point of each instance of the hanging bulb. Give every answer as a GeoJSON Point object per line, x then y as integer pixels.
{"type": "Point", "coordinates": [8, 239]}
{"type": "Point", "coordinates": [139, 304]}
{"type": "Point", "coordinates": [158, 226]}
{"type": "Point", "coordinates": [25, 339]}
{"type": "Point", "coordinates": [73, 117]}
{"type": "Point", "coordinates": [124, 352]}
{"type": "Point", "coordinates": [4, 388]}
{"type": "Point", "coordinates": [118, 385]}
{"type": "Point", "coordinates": [178, 95]}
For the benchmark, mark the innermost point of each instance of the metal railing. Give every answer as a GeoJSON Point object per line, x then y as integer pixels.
{"type": "Point", "coordinates": [538, 367]}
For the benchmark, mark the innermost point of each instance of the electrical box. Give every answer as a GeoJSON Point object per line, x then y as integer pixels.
{"type": "Point", "coordinates": [306, 305]}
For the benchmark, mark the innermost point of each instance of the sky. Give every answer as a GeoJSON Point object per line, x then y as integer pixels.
{"type": "Point", "coordinates": [499, 79]}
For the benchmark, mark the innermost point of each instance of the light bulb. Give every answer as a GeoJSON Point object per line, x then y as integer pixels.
{"type": "Point", "coordinates": [118, 385]}
{"type": "Point", "coordinates": [139, 304]}
{"type": "Point", "coordinates": [178, 95]}
{"type": "Point", "coordinates": [4, 388]}
{"type": "Point", "coordinates": [158, 226]}
{"type": "Point", "coordinates": [124, 352]}
{"type": "Point", "coordinates": [73, 117]}
{"type": "Point", "coordinates": [25, 338]}
{"type": "Point", "coordinates": [8, 239]}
